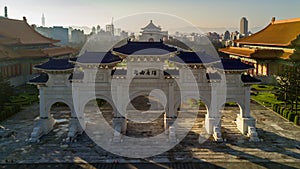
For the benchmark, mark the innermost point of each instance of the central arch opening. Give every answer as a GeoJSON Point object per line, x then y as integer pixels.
{"type": "Point", "coordinates": [95, 111]}
{"type": "Point", "coordinates": [145, 116]}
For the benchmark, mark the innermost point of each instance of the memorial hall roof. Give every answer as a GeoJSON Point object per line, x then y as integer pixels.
{"type": "Point", "coordinates": [278, 33]}
{"type": "Point", "coordinates": [20, 32]}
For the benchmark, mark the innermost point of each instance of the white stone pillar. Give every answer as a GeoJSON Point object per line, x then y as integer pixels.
{"type": "Point", "coordinates": [213, 117]}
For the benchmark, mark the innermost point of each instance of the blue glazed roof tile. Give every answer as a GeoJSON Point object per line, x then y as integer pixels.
{"type": "Point", "coordinates": [56, 64]}
{"type": "Point", "coordinates": [249, 79]}
{"type": "Point", "coordinates": [97, 57]}
{"type": "Point", "coordinates": [193, 58]}
{"type": "Point", "coordinates": [145, 48]}
{"type": "Point", "coordinates": [42, 78]}
{"type": "Point", "coordinates": [233, 64]}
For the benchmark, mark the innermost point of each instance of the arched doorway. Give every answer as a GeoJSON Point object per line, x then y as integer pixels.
{"type": "Point", "coordinates": [61, 113]}
{"type": "Point", "coordinates": [150, 40]}
{"type": "Point", "coordinates": [199, 108]}
{"type": "Point", "coordinates": [95, 109]}
{"type": "Point", "coordinates": [229, 112]}
{"type": "Point", "coordinates": [145, 116]}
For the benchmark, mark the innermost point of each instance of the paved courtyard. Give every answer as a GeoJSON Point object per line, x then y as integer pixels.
{"type": "Point", "coordinates": [279, 146]}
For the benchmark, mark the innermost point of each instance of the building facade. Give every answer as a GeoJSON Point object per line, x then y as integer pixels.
{"type": "Point", "coordinates": [270, 50]}
{"type": "Point", "coordinates": [21, 47]}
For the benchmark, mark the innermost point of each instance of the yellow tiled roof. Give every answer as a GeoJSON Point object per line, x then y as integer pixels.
{"type": "Point", "coordinates": [258, 53]}
{"type": "Point", "coordinates": [277, 33]}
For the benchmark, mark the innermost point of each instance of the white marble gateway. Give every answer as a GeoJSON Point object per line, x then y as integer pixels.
{"type": "Point", "coordinates": [148, 67]}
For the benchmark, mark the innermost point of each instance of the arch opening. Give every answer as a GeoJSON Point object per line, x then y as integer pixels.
{"type": "Point", "coordinates": [61, 113]}
{"type": "Point", "coordinates": [145, 116]}
{"type": "Point", "coordinates": [229, 112]}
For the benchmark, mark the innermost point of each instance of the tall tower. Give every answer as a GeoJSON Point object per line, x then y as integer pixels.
{"type": "Point", "coordinates": [244, 26]}
{"type": "Point", "coordinates": [5, 12]}
{"type": "Point", "coordinates": [43, 20]}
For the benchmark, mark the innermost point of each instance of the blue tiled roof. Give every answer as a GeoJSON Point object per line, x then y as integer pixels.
{"type": "Point", "coordinates": [42, 78]}
{"type": "Point", "coordinates": [118, 72]}
{"type": "Point", "coordinates": [56, 64]}
{"type": "Point", "coordinates": [145, 48]}
{"type": "Point", "coordinates": [233, 64]}
{"type": "Point", "coordinates": [97, 57]}
{"type": "Point", "coordinates": [193, 58]}
{"type": "Point", "coordinates": [171, 72]}
{"type": "Point", "coordinates": [249, 79]}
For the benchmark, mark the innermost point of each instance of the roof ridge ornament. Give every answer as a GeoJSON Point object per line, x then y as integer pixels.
{"type": "Point", "coordinates": [273, 20]}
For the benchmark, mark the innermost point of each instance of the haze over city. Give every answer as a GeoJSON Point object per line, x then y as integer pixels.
{"type": "Point", "coordinates": [202, 13]}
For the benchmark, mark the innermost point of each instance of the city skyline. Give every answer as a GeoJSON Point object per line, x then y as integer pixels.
{"type": "Point", "coordinates": [90, 13]}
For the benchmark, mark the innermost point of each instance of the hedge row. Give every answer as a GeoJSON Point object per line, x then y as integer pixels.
{"type": "Point", "coordinates": [286, 113]}
{"type": "Point", "coordinates": [15, 103]}
{"type": "Point", "coordinates": [9, 110]}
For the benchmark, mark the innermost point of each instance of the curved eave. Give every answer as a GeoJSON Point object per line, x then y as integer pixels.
{"type": "Point", "coordinates": [37, 83]}
{"type": "Point", "coordinates": [54, 70]}
{"type": "Point", "coordinates": [123, 56]}
{"type": "Point", "coordinates": [180, 63]}
{"type": "Point", "coordinates": [94, 64]}
{"type": "Point", "coordinates": [234, 70]}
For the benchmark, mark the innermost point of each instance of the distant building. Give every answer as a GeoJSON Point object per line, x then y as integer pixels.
{"type": "Point", "coordinates": [56, 32]}
{"type": "Point", "coordinates": [21, 47]}
{"type": "Point", "coordinates": [244, 26]}
{"type": "Point", "coordinates": [43, 20]}
{"type": "Point", "coordinates": [110, 28]}
{"type": "Point", "coordinates": [270, 50]}
{"type": "Point", "coordinates": [77, 36]}
{"type": "Point", "coordinates": [153, 33]}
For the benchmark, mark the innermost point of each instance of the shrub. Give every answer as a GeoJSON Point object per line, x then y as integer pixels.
{"type": "Point", "coordinates": [291, 116]}
{"type": "Point", "coordinates": [281, 110]}
{"type": "Point", "coordinates": [285, 113]}
{"type": "Point", "coordinates": [296, 120]}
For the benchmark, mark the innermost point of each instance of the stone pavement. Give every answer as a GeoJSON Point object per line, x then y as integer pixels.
{"type": "Point", "coordinates": [279, 146]}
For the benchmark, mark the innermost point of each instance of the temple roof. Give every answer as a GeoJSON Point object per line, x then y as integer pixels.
{"type": "Point", "coordinates": [145, 48]}
{"type": "Point", "coordinates": [55, 64]}
{"type": "Point", "coordinates": [249, 79]}
{"type": "Point", "coordinates": [193, 58]}
{"type": "Point", "coordinates": [258, 53]}
{"type": "Point", "coordinates": [20, 32]}
{"type": "Point", "coordinates": [151, 27]}
{"type": "Point", "coordinates": [97, 57]}
{"type": "Point", "coordinates": [277, 33]}
{"type": "Point", "coordinates": [246, 52]}
{"type": "Point", "coordinates": [233, 65]}
{"type": "Point", "coordinates": [41, 79]}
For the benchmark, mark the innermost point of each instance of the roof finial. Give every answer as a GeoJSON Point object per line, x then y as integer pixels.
{"type": "Point", "coordinates": [24, 19]}
{"type": "Point", "coordinates": [273, 19]}
{"type": "Point", "coordinates": [151, 21]}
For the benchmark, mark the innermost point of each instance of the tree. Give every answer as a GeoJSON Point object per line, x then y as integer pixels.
{"type": "Point", "coordinates": [5, 90]}
{"type": "Point", "coordinates": [289, 83]}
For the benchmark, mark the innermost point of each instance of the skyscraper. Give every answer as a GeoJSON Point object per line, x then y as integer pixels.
{"type": "Point", "coordinates": [244, 26]}
{"type": "Point", "coordinates": [43, 20]}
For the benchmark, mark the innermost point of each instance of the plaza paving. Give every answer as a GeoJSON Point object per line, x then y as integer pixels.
{"type": "Point", "coordinates": [279, 146]}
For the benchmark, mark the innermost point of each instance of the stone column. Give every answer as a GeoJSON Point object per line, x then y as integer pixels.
{"type": "Point", "coordinates": [45, 123]}
{"type": "Point", "coordinates": [244, 120]}
{"type": "Point", "coordinates": [213, 117]}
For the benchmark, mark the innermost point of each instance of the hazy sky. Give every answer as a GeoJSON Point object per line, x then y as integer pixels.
{"type": "Point", "coordinates": [202, 13]}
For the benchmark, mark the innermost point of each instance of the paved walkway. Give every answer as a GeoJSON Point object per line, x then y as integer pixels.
{"type": "Point", "coordinates": [279, 148]}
